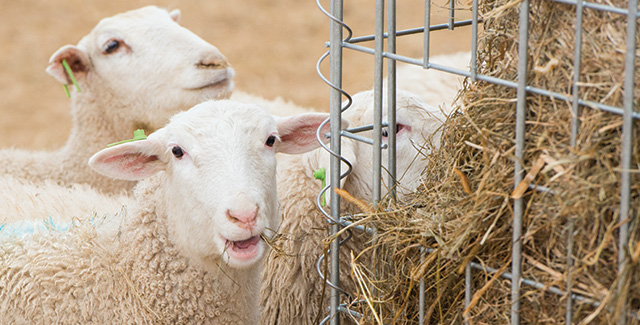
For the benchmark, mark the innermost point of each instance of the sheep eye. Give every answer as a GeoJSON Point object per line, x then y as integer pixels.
{"type": "Point", "coordinates": [270, 141]}
{"type": "Point", "coordinates": [177, 152]}
{"type": "Point", "coordinates": [385, 132]}
{"type": "Point", "coordinates": [112, 46]}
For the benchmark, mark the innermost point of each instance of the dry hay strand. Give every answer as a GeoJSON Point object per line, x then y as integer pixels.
{"type": "Point", "coordinates": [463, 211]}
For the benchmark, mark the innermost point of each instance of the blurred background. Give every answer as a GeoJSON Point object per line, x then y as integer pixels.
{"type": "Point", "coordinates": [273, 46]}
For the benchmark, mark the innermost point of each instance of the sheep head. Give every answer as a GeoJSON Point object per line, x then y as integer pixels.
{"type": "Point", "coordinates": [145, 66]}
{"type": "Point", "coordinates": [417, 132]}
{"type": "Point", "coordinates": [218, 184]}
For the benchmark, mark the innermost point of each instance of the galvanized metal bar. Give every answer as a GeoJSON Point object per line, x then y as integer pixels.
{"type": "Point", "coordinates": [600, 7]}
{"type": "Point", "coordinates": [474, 40]}
{"type": "Point", "coordinates": [421, 294]}
{"type": "Point", "coordinates": [627, 146]}
{"type": "Point", "coordinates": [518, 210]}
{"type": "Point", "coordinates": [336, 9]}
{"type": "Point", "coordinates": [452, 8]}
{"type": "Point", "coordinates": [377, 101]}
{"type": "Point", "coordinates": [410, 31]}
{"type": "Point", "coordinates": [391, 99]}
{"type": "Point", "coordinates": [467, 290]}
{"type": "Point", "coordinates": [427, 33]}
{"type": "Point", "coordinates": [575, 124]}
{"type": "Point", "coordinates": [361, 139]}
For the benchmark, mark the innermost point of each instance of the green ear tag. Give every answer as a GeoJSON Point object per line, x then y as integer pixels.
{"type": "Point", "coordinates": [320, 174]}
{"type": "Point", "coordinates": [73, 78]}
{"type": "Point", "coordinates": [137, 135]}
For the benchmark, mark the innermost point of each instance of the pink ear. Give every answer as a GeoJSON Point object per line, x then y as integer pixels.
{"type": "Point", "coordinates": [75, 57]}
{"type": "Point", "coordinates": [129, 161]}
{"type": "Point", "coordinates": [175, 15]}
{"type": "Point", "coordinates": [298, 133]}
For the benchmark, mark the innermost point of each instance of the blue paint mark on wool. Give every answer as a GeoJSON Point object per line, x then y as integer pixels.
{"type": "Point", "coordinates": [27, 227]}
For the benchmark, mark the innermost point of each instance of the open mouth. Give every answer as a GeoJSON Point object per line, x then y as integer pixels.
{"type": "Point", "coordinates": [243, 249]}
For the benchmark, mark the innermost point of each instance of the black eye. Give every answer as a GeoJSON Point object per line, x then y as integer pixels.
{"type": "Point", "coordinates": [112, 46]}
{"type": "Point", "coordinates": [177, 151]}
{"type": "Point", "coordinates": [270, 141]}
{"type": "Point", "coordinates": [384, 133]}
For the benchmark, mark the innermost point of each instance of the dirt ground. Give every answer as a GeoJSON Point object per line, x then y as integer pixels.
{"type": "Point", "coordinates": [273, 46]}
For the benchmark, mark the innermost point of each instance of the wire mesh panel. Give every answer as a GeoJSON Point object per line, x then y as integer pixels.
{"type": "Point", "coordinates": [554, 109]}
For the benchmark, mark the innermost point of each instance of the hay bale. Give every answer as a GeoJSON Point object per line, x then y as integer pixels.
{"type": "Point", "coordinates": [473, 224]}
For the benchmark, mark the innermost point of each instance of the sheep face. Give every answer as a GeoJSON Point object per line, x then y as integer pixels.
{"type": "Point", "coordinates": [417, 133]}
{"type": "Point", "coordinates": [149, 66]}
{"type": "Point", "coordinates": [218, 176]}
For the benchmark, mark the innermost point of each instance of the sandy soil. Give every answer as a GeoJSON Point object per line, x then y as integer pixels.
{"type": "Point", "coordinates": [273, 45]}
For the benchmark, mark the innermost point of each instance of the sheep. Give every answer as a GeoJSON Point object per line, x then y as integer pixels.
{"type": "Point", "coordinates": [291, 291]}
{"type": "Point", "coordinates": [436, 88]}
{"type": "Point", "coordinates": [134, 70]}
{"type": "Point", "coordinates": [277, 106]}
{"type": "Point", "coordinates": [23, 200]}
{"type": "Point", "coordinates": [188, 251]}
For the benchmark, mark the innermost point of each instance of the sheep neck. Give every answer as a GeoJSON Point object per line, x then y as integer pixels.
{"type": "Point", "coordinates": [95, 126]}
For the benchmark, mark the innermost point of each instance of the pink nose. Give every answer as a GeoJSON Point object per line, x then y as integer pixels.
{"type": "Point", "coordinates": [244, 218]}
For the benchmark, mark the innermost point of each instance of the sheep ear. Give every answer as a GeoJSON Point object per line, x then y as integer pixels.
{"type": "Point", "coordinates": [175, 15]}
{"type": "Point", "coordinates": [75, 57]}
{"type": "Point", "coordinates": [129, 161]}
{"type": "Point", "coordinates": [298, 133]}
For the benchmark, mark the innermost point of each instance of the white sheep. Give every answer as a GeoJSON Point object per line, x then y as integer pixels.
{"type": "Point", "coordinates": [292, 290]}
{"type": "Point", "coordinates": [436, 88]}
{"type": "Point", "coordinates": [23, 200]}
{"type": "Point", "coordinates": [188, 251]}
{"type": "Point", "coordinates": [277, 106]}
{"type": "Point", "coordinates": [134, 70]}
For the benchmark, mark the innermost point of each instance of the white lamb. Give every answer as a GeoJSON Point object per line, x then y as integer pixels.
{"type": "Point", "coordinates": [23, 200]}
{"type": "Point", "coordinates": [135, 70]}
{"type": "Point", "coordinates": [292, 290]}
{"type": "Point", "coordinates": [436, 88]}
{"type": "Point", "coordinates": [188, 251]}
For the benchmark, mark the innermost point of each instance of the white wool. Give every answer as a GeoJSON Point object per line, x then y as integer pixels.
{"type": "Point", "coordinates": [436, 88]}
{"type": "Point", "coordinates": [135, 70]}
{"type": "Point", "coordinates": [277, 106]}
{"type": "Point", "coordinates": [24, 200]}
{"type": "Point", "coordinates": [189, 248]}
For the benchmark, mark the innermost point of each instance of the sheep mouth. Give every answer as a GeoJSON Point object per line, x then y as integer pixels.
{"type": "Point", "coordinates": [247, 249]}
{"type": "Point", "coordinates": [221, 79]}
{"type": "Point", "coordinates": [222, 83]}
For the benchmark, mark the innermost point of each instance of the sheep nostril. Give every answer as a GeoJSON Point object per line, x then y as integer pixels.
{"type": "Point", "coordinates": [215, 64]}
{"type": "Point", "coordinates": [244, 218]}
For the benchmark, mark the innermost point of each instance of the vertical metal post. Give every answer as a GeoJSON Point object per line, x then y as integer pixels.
{"type": "Point", "coordinates": [575, 124]}
{"type": "Point", "coordinates": [467, 290]}
{"type": "Point", "coordinates": [516, 257]}
{"type": "Point", "coordinates": [452, 8]}
{"type": "Point", "coordinates": [427, 33]}
{"type": "Point", "coordinates": [421, 294]}
{"type": "Point", "coordinates": [474, 40]}
{"type": "Point", "coordinates": [627, 145]}
{"type": "Point", "coordinates": [335, 116]}
{"type": "Point", "coordinates": [391, 97]}
{"type": "Point", "coordinates": [377, 100]}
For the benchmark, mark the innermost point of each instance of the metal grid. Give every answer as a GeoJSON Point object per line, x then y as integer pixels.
{"type": "Point", "coordinates": [338, 43]}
